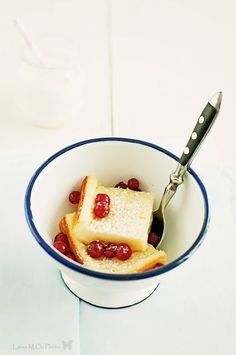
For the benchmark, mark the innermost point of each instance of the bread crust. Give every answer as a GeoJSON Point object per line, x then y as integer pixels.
{"type": "Point", "coordinates": [64, 228]}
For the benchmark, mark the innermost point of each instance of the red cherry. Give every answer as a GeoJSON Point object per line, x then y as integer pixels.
{"type": "Point", "coordinates": [122, 185]}
{"type": "Point", "coordinates": [70, 256]}
{"type": "Point", "coordinates": [74, 197]}
{"type": "Point", "coordinates": [110, 250]}
{"type": "Point", "coordinates": [101, 210]}
{"type": "Point", "coordinates": [153, 239]}
{"type": "Point", "coordinates": [133, 184]}
{"type": "Point", "coordinates": [123, 251]}
{"type": "Point", "coordinates": [95, 249]}
{"type": "Point", "coordinates": [104, 198]}
{"type": "Point", "coordinates": [61, 237]}
{"type": "Point", "coordinates": [62, 247]}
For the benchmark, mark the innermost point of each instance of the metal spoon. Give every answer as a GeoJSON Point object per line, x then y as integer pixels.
{"type": "Point", "coordinates": [199, 133]}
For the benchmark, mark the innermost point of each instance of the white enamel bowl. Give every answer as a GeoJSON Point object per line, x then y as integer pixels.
{"type": "Point", "coordinates": [112, 160]}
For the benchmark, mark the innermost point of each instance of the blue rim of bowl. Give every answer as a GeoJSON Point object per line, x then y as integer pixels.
{"type": "Point", "coordinates": [123, 277]}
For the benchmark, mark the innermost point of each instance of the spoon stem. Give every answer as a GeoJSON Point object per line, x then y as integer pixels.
{"type": "Point", "coordinates": [176, 179]}
{"type": "Point", "coordinates": [201, 129]}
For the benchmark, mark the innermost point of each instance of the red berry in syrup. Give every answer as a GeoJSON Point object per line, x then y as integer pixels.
{"type": "Point", "coordinates": [74, 197]}
{"type": "Point", "coordinates": [123, 251]}
{"type": "Point", "coordinates": [61, 237]}
{"type": "Point", "coordinates": [133, 184]}
{"type": "Point", "coordinates": [95, 249]}
{"type": "Point", "coordinates": [62, 247]}
{"type": "Point", "coordinates": [101, 209]}
{"type": "Point", "coordinates": [122, 185]}
{"type": "Point", "coordinates": [104, 198]}
{"type": "Point", "coordinates": [105, 244]}
{"type": "Point", "coordinates": [110, 250]}
{"type": "Point", "coordinates": [153, 239]}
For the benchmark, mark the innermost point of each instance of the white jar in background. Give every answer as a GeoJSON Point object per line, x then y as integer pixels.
{"type": "Point", "coordinates": [50, 94]}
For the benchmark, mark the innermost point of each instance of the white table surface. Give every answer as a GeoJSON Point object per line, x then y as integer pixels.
{"type": "Point", "coordinates": [150, 67]}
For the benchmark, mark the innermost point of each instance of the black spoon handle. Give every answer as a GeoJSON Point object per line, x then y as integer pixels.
{"type": "Point", "coordinates": [203, 125]}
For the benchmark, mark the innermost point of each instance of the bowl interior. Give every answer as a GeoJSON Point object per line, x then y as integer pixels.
{"type": "Point", "coordinates": [113, 161]}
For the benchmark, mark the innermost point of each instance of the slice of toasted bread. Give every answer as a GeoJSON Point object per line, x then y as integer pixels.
{"type": "Point", "coordinates": [128, 221]}
{"type": "Point", "coordinates": [138, 262]}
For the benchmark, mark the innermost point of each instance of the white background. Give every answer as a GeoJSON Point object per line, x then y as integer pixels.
{"type": "Point", "coordinates": [150, 67]}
